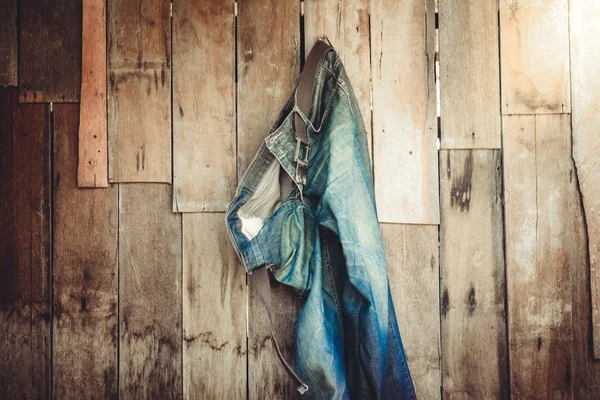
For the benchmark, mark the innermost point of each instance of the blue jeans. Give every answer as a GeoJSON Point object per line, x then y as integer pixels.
{"type": "Point", "coordinates": [322, 238]}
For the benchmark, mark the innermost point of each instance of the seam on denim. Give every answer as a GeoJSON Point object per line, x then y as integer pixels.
{"type": "Point", "coordinates": [332, 283]}
{"type": "Point", "coordinates": [404, 363]}
{"type": "Point", "coordinates": [327, 110]}
{"type": "Point", "coordinates": [360, 301]}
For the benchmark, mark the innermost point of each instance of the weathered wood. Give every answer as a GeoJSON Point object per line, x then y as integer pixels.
{"type": "Point", "coordinates": [404, 111]}
{"type": "Point", "coordinates": [149, 293]}
{"type": "Point", "coordinates": [49, 51]}
{"type": "Point", "coordinates": [214, 311]}
{"type": "Point", "coordinates": [204, 147]}
{"type": "Point", "coordinates": [346, 25]}
{"type": "Point", "coordinates": [8, 43]}
{"type": "Point", "coordinates": [92, 170]}
{"type": "Point", "coordinates": [538, 177]}
{"type": "Point", "coordinates": [85, 340]}
{"type": "Point", "coordinates": [139, 91]}
{"type": "Point", "coordinates": [534, 55]}
{"type": "Point", "coordinates": [413, 270]}
{"type": "Point", "coordinates": [585, 48]}
{"type": "Point", "coordinates": [25, 310]}
{"type": "Point", "coordinates": [474, 348]}
{"type": "Point", "coordinates": [469, 65]}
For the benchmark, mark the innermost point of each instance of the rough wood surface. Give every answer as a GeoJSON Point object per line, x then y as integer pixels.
{"type": "Point", "coordinates": [404, 111]}
{"type": "Point", "coordinates": [150, 364]}
{"type": "Point", "coordinates": [49, 51]}
{"type": "Point", "coordinates": [413, 270]}
{"type": "Point", "coordinates": [214, 311]}
{"type": "Point", "coordinates": [346, 25]}
{"type": "Point", "coordinates": [534, 55]}
{"type": "Point", "coordinates": [25, 310]}
{"type": "Point", "coordinates": [539, 183]}
{"type": "Point", "coordinates": [9, 39]}
{"type": "Point", "coordinates": [139, 91]}
{"type": "Point", "coordinates": [585, 49]}
{"type": "Point", "coordinates": [470, 76]}
{"type": "Point", "coordinates": [92, 170]}
{"type": "Point", "coordinates": [85, 340]}
{"type": "Point", "coordinates": [204, 148]}
{"type": "Point", "coordinates": [474, 348]}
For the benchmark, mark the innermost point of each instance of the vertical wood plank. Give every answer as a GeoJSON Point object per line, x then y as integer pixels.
{"type": "Point", "coordinates": [49, 51]}
{"type": "Point", "coordinates": [413, 269]}
{"type": "Point", "coordinates": [538, 178]}
{"type": "Point", "coordinates": [346, 25]}
{"type": "Point", "coordinates": [214, 311]}
{"type": "Point", "coordinates": [92, 170]}
{"type": "Point", "coordinates": [85, 340]}
{"type": "Point", "coordinates": [474, 348]}
{"type": "Point", "coordinates": [469, 65]}
{"type": "Point", "coordinates": [204, 139]}
{"type": "Point", "coordinates": [585, 48]}
{"type": "Point", "coordinates": [404, 111]}
{"type": "Point", "coordinates": [534, 54]}
{"type": "Point", "coordinates": [25, 311]}
{"type": "Point", "coordinates": [8, 43]}
{"type": "Point", "coordinates": [150, 364]}
{"type": "Point", "coordinates": [139, 91]}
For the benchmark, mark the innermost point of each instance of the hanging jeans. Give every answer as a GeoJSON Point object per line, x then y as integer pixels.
{"type": "Point", "coordinates": [321, 237]}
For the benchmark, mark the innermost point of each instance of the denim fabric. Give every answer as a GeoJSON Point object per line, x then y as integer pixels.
{"type": "Point", "coordinates": [323, 240]}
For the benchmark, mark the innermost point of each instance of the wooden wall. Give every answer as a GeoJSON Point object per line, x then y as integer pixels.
{"type": "Point", "coordinates": [124, 127]}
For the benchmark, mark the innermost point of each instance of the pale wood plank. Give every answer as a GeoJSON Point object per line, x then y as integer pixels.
{"type": "Point", "coordinates": [9, 40]}
{"type": "Point", "coordinates": [404, 111]}
{"type": "Point", "coordinates": [149, 293]}
{"type": "Point", "coordinates": [139, 91]}
{"type": "Point", "coordinates": [534, 54]}
{"type": "Point", "coordinates": [413, 268]}
{"type": "Point", "coordinates": [92, 170]}
{"type": "Point", "coordinates": [204, 147]}
{"type": "Point", "coordinates": [85, 340]}
{"type": "Point", "coordinates": [214, 311]}
{"type": "Point", "coordinates": [474, 348]}
{"type": "Point", "coordinates": [538, 188]}
{"type": "Point", "coordinates": [469, 65]}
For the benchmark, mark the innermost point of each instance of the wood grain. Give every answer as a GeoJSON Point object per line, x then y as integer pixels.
{"type": "Point", "coordinates": [534, 54]}
{"type": "Point", "coordinates": [49, 51]}
{"type": "Point", "coordinates": [474, 348]}
{"type": "Point", "coordinates": [139, 91]}
{"type": "Point", "coordinates": [539, 184]}
{"type": "Point", "coordinates": [214, 311]}
{"type": "Point", "coordinates": [92, 170]}
{"type": "Point", "coordinates": [404, 111]}
{"type": "Point", "coordinates": [470, 76]}
{"type": "Point", "coordinates": [150, 364]}
{"type": "Point", "coordinates": [25, 309]}
{"type": "Point", "coordinates": [413, 270]}
{"type": "Point", "coordinates": [85, 339]}
{"type": "Point", "coordinates": [9, 40]}
{"type": "Point", "coordinates": [204, 148]}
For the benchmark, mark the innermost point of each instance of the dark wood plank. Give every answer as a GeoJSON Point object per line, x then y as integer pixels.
{"type": "Point", "coordinates": [8, 43]}
{"type": "Point", "coordinates": [84, 360]}
{"type": "Point", "coordinates": [49, 50]}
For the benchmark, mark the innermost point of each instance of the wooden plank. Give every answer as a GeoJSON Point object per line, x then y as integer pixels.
{"type": "Point", "coordinates": [469, 65]}
{"type": "Point", "coordinates": [474, 351]}
{"type": "Point", "coordinates": [150, 364]}
{"type": "Point", "coordinates": [214, 311]}
{"type": "Point", "coordinates": [585, 42]}
{"type": "Point", "coordinates": [204, 142]}
{"type": "Point", "coordinates": [534, 54]}
{"type": "Point", "coordinates": [139, 91]}
{"type": "Point", "coordinates": [49, 51]}
{"type": "Point", "coordinates": [413, 268]}
{"type": "Point", "coordinates": [85, 340]}
{"type": "Point", "coordinates": [25, 310]}
{"type": "Point", "coordinates": [404, 111]}
{"type": "Point", "coordinates": [8, 43]}
{"type": "Point", "coordinates": [92, 170]}
{"type": "Point", "coordinates": [268, 64]}
{"type": "Point", "coordinates": [346, 25]}
{"type": "Point", "coordinates": [538, 179]}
